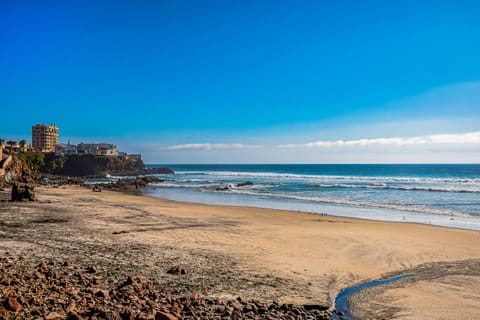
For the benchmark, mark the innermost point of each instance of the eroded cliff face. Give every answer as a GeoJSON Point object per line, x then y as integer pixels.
{"type": "Point", "coordinates": [15, 167]}
{"type": "Point", "coordinates": [23, 167]}
{"type": "Point", "coordinates": [87, 165]}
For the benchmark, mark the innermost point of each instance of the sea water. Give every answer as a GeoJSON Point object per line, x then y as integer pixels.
{"type": "Point", "coordinates": [439, 194]}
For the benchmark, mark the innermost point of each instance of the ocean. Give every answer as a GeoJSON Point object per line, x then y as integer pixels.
{"type": "Point", "coordinates": [439, 194]}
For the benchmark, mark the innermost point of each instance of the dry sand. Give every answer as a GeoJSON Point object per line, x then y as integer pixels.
{"type": "Point", "coordinates": [258, 253]}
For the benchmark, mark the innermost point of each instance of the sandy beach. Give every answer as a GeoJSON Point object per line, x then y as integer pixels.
{"type": "Point", "coordinates": [271, 255]}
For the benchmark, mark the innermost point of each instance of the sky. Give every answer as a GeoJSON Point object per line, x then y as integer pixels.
{"type": "Point", "coordinates": [248, 81]}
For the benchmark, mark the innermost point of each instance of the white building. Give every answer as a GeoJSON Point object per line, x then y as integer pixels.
{"type": "Point", "coordinates": [96, 149]}
{"type": "Point", "coordinates": [65, 149]}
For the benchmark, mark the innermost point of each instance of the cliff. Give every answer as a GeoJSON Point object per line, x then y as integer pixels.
{"type": "Point", "coordinates": [15, 167]}
{"type": "Point", "coordinates": [89, 166]}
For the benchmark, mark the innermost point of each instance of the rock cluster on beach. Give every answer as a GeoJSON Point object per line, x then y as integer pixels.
{"type": "Point", "coordinates": [50, 290]}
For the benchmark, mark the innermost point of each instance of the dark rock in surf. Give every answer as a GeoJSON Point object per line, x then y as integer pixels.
{"type": "Point", "coordinates": [163, 170]}
{"type": "Point", "coordinates": [245, 184]}
{"type": "Point", "coordinates": [136, 183]}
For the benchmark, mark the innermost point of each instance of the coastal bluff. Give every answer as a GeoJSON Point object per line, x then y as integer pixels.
{"type": "Point", "coordinates": [97, 166]}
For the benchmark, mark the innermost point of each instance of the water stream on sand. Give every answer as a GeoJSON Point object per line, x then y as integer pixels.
{"type": "Point", "coordinates": [341, 301]}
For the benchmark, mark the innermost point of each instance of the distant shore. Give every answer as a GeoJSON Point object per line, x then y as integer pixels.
{"type": "Point", "coordinates": [264, 254]}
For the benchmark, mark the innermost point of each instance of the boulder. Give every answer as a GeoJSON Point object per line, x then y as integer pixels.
{"type": "Point", "coordinates": [13, 305]}
{"type": "Point", "coordinates": [23, 191]}
{"type": "Point", "coordinates": [244, 184]}
{"type": "Point", "coordinates": [176, 270]}
{"type": "Point", "coordinates": [164, 316]}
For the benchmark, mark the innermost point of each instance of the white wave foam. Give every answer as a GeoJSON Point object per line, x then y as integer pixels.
{"type": "Point", "coordinates": [318, 199]}
{"type": "Point", "coordinates": [414, 208]}
{"type": "Point", "coordinates": [334, 177]}
{"type": "Point", "coordinates": [384, 186]}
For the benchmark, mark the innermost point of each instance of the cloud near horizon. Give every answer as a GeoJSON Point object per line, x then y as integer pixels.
{"type": "Point", "coordinates": [211, 146]}
{"type": "Point", "coordinates": [465, 138]}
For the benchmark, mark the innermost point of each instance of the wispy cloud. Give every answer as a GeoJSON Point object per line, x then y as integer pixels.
{"type": "Point", "coordinates": [465, 138]}
{"type": "Point", "coordinates": [211, 146]}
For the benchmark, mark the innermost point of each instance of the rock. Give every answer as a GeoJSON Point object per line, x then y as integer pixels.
{"type": "Point", "coordinates": [13, 305]}
{"type": "Point", "coordinates": [23, 191]}
{"type": "Point", "coordinates": [163, 170]}
{"type": "Point", "coordinates": [68, 263]}
{"type": "Point", "coordinates": [54, 316]}
{"type": "Point", "coordinates": [126, 184]}
{"type": "Point", "coordinates": [75, 296]}
{"type": "Point", "coordinates": [42, 267]}
{"type": "Point", "coordinates": [72, 315]}
{"type": "Point", "coordinates": [176, 270]}
{"type": "Point", "coordinates": [101, 294]}
{"type": "Point", "coordinates": [164, 316]}
{"type": "Point", "coordinates": [244, 184]}
{"type": "Point", "coordinates": [91, 269]}
{"type": "Point", "coordinates": [120, 232]}
{"type": "Point", "coordinates": [319, 307]}
{"type": "Point", "coordinates": [71, 307]}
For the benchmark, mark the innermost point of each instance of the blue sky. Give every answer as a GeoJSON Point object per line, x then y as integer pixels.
{"type": "Point", "coordinates": [247, 81]}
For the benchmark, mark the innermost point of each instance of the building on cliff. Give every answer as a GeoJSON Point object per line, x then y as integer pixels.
{"type": "Point", "coordinates": [96, 149]}
{"type": "Point", "coordinates": [44, 138]}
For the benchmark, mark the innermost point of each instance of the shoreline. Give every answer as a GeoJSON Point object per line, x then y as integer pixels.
{"type": "Point", "coordinates": [289, 211]}
{"type": "Point", "coordinates": [265, 254]}
{"type": "Point", "coordinates": [381, 214]}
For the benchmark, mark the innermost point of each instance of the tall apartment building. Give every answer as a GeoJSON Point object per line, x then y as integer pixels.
{"type": "Point", "coordinates": [44, 138]}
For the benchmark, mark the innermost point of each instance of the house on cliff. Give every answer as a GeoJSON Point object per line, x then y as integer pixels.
{"type": "Point", "coordinates": [95, 149]}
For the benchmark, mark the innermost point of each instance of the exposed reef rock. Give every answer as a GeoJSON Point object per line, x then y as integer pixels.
{"type": "Point", "coordinates": [129, 184]}
{"type": "Point", "coordinates": [244, 184]}
{"type": "Point", "coordinates": [163, 170]}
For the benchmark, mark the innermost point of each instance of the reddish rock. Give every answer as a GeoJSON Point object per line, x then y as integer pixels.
{"type": "Point", "coordinates": [54, 316]}
{"type": "Point", "coordinates": [72, 315]}
{"type": "Point", "coordinates": [13, 305]}
{"type": "Point", "coordinates": [42, 267]}
{"type": "Point", "coordinates": [71, 307]}
{"type": "Point", "coordinates": [68, 263]}
{"type": "Point", "coordinates": [176, 309]}
{"type": "Point", "coordinates": [165, 316]}
{"type": "Point", "coordinates": [127, 315]}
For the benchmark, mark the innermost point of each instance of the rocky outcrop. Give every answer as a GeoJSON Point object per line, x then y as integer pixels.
{"type": "Point", "coordinates": [163, 170]}
{"type": "Point", "coordinates": [129, 184]}
{"type": "Point", "coordinates": [97, 166]}
{"type": "Point", "coordinates": [23, 191]}
{"type": "Point", "coordinates": [15, 168]}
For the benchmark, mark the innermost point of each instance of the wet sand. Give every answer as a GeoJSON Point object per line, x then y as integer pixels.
{"type": "Point", "coordinates": [257, 253]}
